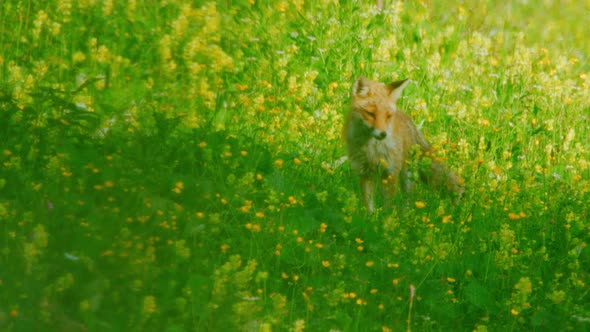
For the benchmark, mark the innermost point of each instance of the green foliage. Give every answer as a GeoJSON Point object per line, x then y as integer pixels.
{"type": "Point", "coordinates": [177, 166]}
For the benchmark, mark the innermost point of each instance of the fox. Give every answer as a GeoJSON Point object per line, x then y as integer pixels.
{"type": "Point", "coordinates": [379, 140]}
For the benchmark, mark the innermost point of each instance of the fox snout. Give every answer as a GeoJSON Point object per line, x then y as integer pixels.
{"type": "Point", "coordinates": [379, 134]}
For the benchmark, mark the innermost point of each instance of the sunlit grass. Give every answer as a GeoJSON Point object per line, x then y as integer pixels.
{"type": "Point", "coordinates": [178, 167]}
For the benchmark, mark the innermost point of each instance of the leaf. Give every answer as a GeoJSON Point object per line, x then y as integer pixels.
{"type": "Point", "coordinates": [479, 296]}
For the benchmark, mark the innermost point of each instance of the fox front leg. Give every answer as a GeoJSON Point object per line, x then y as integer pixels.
{"type": "Point", "coordinates": [367, 190]}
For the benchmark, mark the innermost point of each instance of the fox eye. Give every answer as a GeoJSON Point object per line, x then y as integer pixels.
{"type": "Point", "coordinates": [370, 114]}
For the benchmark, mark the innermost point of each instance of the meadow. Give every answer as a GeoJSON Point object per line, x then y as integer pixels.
{"type": "Point", "coordinates": [178, 166]}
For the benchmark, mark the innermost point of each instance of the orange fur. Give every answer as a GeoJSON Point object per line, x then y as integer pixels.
{"type": "Point", "coordinates": [379, 138]}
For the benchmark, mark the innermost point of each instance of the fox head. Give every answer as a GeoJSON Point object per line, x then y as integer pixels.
{"type": "Point", "coordinates": [374, 103]}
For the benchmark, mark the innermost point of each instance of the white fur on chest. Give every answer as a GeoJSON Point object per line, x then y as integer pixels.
{"type": "Point", "coordinates": [376, 155]}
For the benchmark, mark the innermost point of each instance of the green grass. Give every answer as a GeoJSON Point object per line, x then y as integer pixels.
{"type": "Point", "coordinates": [175, 167]}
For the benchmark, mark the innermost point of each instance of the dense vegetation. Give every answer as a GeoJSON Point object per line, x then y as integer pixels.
{"type": "Point", "coordinates": [177, 166]}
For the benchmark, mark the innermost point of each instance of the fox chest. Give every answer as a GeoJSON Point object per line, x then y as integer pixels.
{"type": "Point", "coordinates": [377, 156]}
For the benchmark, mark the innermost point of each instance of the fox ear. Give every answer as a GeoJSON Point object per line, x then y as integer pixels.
{"type": "Point", "coordinates": [361, 87]}
{"type": "Point", "coordinates": [396, 88]}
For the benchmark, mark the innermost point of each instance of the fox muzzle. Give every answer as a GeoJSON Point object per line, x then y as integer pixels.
{"type": "Point", "coordinates": [379, 134]}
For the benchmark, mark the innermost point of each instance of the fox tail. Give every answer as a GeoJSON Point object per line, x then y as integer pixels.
{"type": "Point", "coordinates": [439, 176]}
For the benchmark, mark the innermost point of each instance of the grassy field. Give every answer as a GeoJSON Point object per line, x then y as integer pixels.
{"type": "Point", "coordinates": [177, 166]}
